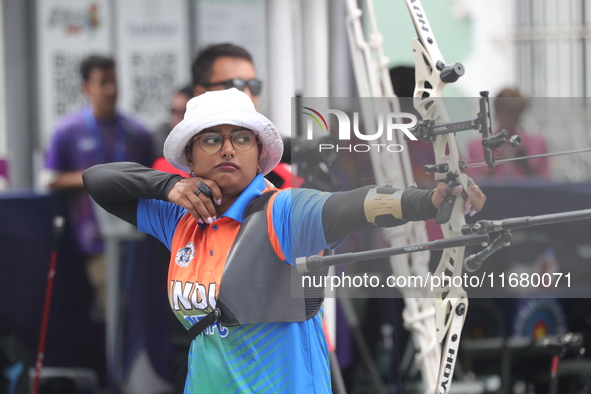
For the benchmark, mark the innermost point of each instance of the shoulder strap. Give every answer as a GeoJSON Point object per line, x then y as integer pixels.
{"type": "Point", "coordinates": [258, 204]}
{"type": "Point", "coordinates": [202, 324]}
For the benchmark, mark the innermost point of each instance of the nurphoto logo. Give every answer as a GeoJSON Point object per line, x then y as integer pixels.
{"type": "Point", "coordinates": [388, 122]}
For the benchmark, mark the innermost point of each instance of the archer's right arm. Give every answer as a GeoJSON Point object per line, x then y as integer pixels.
{"type": "Point", "coordinates": [117, 187]}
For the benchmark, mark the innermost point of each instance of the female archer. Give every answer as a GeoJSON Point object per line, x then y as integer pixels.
{"type": "Point", "coordinates": [234, 240]}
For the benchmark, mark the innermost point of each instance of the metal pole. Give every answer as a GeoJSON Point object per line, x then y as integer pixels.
{"type": "Point", "coordinates": [113, 251]}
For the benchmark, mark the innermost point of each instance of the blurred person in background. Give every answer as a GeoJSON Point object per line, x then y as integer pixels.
{"type": "Point", "coordinates": [178, 105]}
{"type": "Point", "coordinates": [96, 134]}
{"type": "Point", "coordinates": [225, 66]}
{"type": "Point", "coordinates": [509, 106]}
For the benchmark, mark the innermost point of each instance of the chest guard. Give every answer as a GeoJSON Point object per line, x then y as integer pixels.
{"type": "Point", "coordinates": [256, 285]}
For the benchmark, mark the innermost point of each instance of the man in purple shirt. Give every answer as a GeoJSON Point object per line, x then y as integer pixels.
{"type": "Point", "coordinates": [97, 134]}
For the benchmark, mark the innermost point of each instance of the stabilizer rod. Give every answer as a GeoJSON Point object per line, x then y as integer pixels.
{"type": "Point", "coordinates": [314, 263]}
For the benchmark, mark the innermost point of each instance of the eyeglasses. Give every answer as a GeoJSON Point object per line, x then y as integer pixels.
{"type": "Point", "coordinates": [242, 141]}
{"type": "Point", "coordinates": [255, 85]}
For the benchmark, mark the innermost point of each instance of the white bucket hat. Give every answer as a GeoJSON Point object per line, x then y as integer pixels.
{"type": "Point", "coordinates": [215, 108]}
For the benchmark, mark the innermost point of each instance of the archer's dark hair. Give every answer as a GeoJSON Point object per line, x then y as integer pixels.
{"type": "Point", "coordinates": [95, 61]}
{"type": "Point", "coordinates": [201, 69]}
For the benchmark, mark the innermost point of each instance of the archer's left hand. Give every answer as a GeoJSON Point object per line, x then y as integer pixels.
{"type": "Point", "coordinates": [473, 203]}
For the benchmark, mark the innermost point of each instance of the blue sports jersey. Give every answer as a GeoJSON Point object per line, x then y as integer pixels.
{"type": "Point", "coordinates": [253, 358]}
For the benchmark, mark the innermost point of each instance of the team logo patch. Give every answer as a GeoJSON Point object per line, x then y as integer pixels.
{"type": "Point", "coordinates": [184, 255]}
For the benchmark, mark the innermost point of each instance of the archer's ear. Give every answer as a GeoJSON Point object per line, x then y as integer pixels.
{"type": "Point", "coordinates": [198, 90]}
{"type": "Point", "coordinates": [189, 156]}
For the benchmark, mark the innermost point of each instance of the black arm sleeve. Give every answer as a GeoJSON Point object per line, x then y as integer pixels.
{"type": "Point", "coordinates": [417, 205]}
{"type": "Point", "coordinates": [117, 187]}
{"type": "Point", "coordinates": [343, 213]}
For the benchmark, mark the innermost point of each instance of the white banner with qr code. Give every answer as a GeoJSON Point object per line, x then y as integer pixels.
{"type": "Point", "coordinates": [67, 32]}
{"type": "Point", "coordinates": [153, 56]}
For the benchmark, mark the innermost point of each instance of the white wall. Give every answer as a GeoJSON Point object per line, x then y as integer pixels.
{"type": "Point", "coordinates": [490, 64]}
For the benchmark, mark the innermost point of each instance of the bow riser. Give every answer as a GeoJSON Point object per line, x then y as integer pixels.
{"type": "Point", "coordinates": [450, 301]}
{"type": "Point", "coordinates": [429, 104]}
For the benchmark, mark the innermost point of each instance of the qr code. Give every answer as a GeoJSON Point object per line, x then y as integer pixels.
{"type": "Point", "coordinates": [66, 83]}
{"type": "Point", "coordinates": [153, 77]}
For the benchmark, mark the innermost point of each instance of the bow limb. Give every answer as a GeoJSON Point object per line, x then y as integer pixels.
{"type": "Point", "coordinates": [451, 301]}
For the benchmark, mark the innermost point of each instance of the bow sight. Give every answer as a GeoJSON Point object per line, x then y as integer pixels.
{"type": "Point", "coordinates": [427, 131]}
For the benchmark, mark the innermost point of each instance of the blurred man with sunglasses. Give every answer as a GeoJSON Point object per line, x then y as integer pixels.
{"type": "Point", "coordinates": [178, 104]}
{"type": "Point", "coordinates": [225, 66]}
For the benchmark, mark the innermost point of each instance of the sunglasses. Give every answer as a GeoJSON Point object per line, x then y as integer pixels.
{"type": "Point", "coordinates": [255, 85]}
{"type": "Point", "coordinates": [242, 141]}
